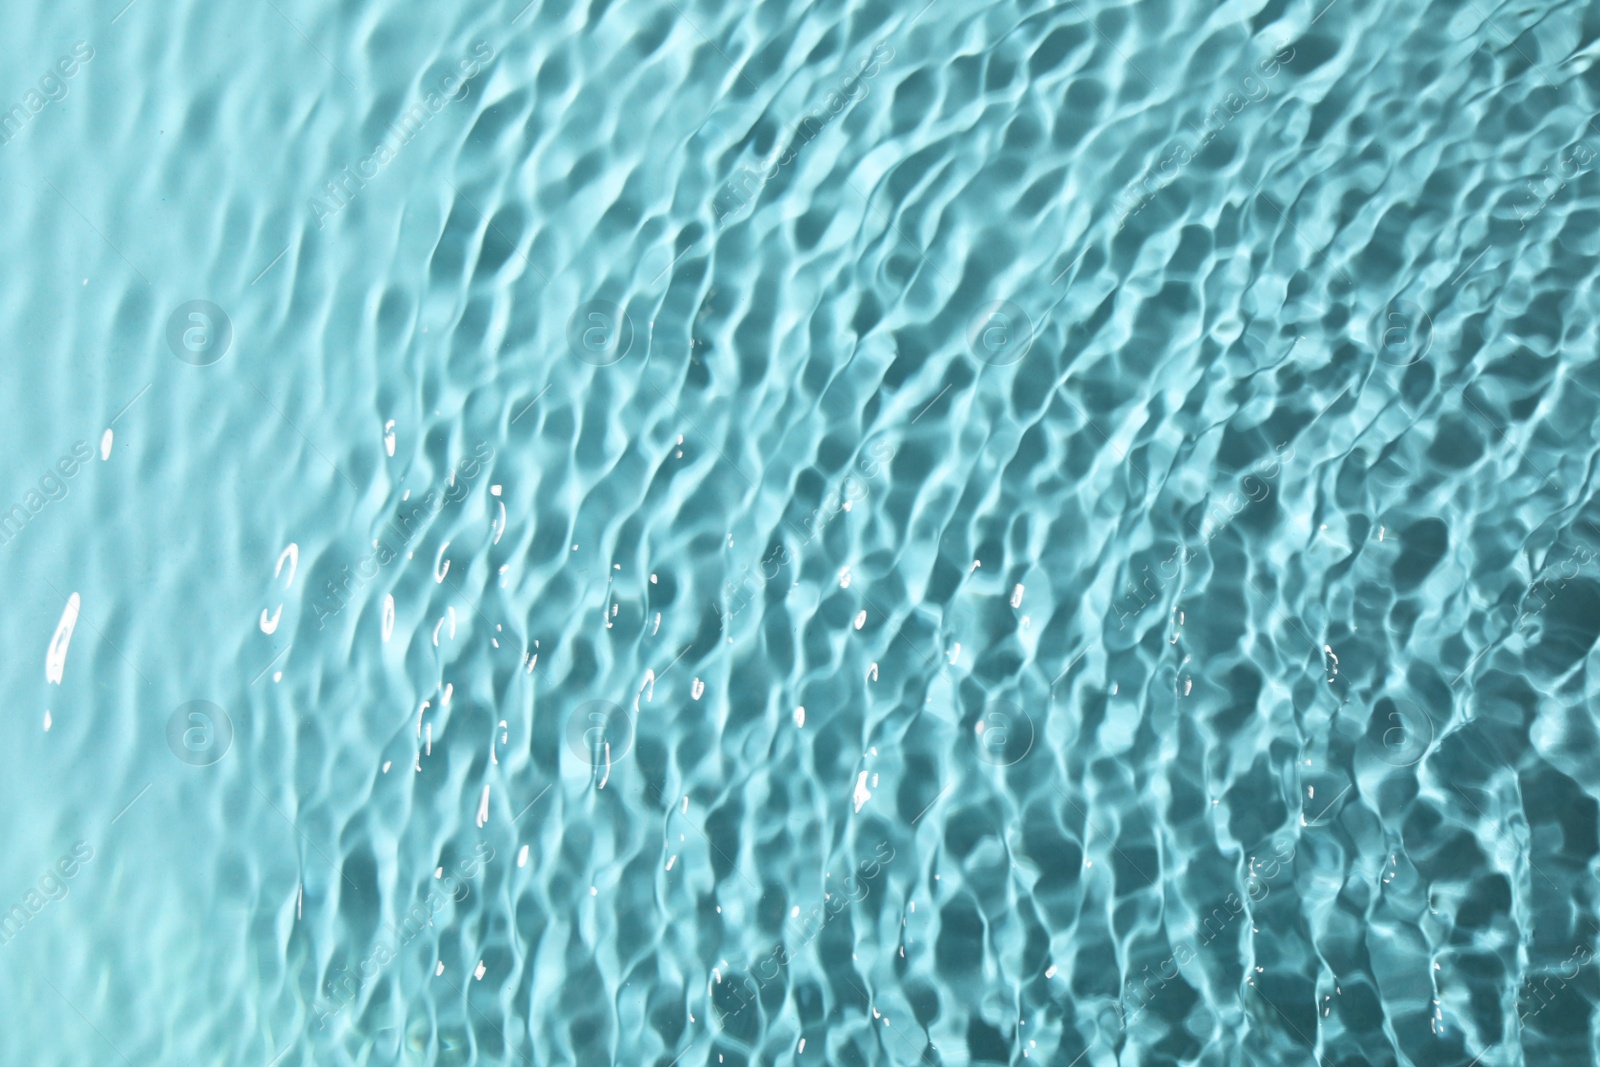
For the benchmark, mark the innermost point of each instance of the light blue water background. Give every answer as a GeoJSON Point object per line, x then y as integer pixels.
{"type": "Point", "coordinates": [677, 532]}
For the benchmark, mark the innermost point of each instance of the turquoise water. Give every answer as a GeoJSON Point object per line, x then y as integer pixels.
{"type": "Point", "coordinates": [692, 533]}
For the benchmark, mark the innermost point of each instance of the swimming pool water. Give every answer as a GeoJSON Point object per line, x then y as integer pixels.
{"type": "Point", "coordinates": [850, 533]}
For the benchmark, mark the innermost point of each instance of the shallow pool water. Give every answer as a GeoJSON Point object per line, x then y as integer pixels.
{"type": "Point", "coordinates": [676, 532]}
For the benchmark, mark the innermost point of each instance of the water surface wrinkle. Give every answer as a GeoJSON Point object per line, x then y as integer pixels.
{"type": "Point", "coordinates": [577, 533]}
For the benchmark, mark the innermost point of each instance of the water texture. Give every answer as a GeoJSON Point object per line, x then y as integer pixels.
{"type": "Point", "coordinates": [681, 532]}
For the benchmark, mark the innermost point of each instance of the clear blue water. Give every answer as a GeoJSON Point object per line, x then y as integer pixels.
{"type": "Point", "coordinates": [696, 533]}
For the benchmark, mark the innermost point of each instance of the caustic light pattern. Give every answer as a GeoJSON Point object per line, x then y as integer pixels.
{"type": "Point", "coordinates": [690, 533]}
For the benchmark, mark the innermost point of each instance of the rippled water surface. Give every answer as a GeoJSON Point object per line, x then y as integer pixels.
{"type": "Point", "coordinates": [682, 532]}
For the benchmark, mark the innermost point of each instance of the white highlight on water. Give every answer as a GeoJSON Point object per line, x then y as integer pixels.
{"type": "Point", "coordinates": [861, 796]}
{"type": "Point", "coordinates": [269, 624]}
{"type": "Point", "coordinates": [55, 660]}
